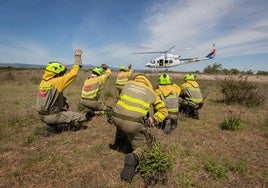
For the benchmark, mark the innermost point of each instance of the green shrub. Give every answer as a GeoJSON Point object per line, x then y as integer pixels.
{"type": "Point", "coordinates": [240, 166]}
{"type": "Point", "coordinates": [217, 171]}
{"type": "Point", "coordinates": [239, 90]}
{"type": "Point", "coordinates": [156, 165]}
{"type": "Point", "coordinates": [213, 69]}
{"type": "Point", "coordinates": [262, 72]}
{"type": "Point", "coordinates": [231, 123]}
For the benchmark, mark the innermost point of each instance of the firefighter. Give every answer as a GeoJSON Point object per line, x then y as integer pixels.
{"type": "Point", "coordinates": [52, 106]}
{"type": "Point", "coordinates": [123, 76]}
{"type": "Point", "coordinates": [131, 117]}
{"type": "Point", "coordinates": [169, 93]}
{"type": "Point", "coordinates": [191, 99]}
{"type": "Point", "coordinates": [91, 89]}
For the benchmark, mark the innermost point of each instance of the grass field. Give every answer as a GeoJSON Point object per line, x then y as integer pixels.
{"type": "Point", "coordinates": [204, 154]}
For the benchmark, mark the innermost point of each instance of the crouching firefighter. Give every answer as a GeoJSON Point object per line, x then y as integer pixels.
{"type": "Point", "coordinates": [52, 106]}
{"type": "Point", "coordinates": [191, 99]}
{"type": "Point", "coordinates": [134, 102]}
{"type": "Point", "coordinates": [91, 89]}
{"type": "Point", "coordinates": [169, 93]}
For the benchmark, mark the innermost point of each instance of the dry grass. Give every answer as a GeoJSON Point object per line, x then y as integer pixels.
{"type": "Point", "coordinates": [30, 158]}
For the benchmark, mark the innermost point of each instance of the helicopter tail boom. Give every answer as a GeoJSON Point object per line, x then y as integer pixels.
{"type": "Point", "coordinates": [211, 54]}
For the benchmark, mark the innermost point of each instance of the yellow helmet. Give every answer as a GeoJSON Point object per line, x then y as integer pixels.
{"type": "Point", "coordinates": [56, 67]}
{"type": "Point", "coordinates": [189, 77]}
{"type": "Point", "coordinates": [164, 79]}
{"type": "Point", "coordinates": [98, 71]}
{"type": "Point", "coordinates": [123, 68]}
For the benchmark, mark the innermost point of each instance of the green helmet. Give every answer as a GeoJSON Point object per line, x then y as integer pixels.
{"type": "Point", "coordinates": [123, 68]}
{"type": "Point", "coordinates": [56, 67]}
{"type": "Point", "coordinates": [98, 71]}
{"type": "Point", "coordinates": [189, 77]}
{"type": "Point", "coordinates": [164, 79]}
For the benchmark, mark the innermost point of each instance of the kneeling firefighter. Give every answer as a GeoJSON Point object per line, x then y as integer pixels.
{"type": "Point", "coordinates": [191, 99]}
{"type": "Point", "coordinates": [130, 115]}
{"type": "Point", "coordinates": [169, 93]}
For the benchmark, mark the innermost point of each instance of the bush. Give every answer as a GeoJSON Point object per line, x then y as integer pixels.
{"type": "Point", "coordinates": [262, 73]}
{"type": "Point", "coordinates": [213, 69]}
{"type": "Point", "coordinates": [156, 164]}
{"type": "Point", "coordinates": [232, 123]}
{"type": "Point", "coordinates": [241, 91]}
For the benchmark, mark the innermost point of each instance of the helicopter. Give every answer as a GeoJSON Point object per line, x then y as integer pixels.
{"type": "Point", "coordinates": [167, 60]}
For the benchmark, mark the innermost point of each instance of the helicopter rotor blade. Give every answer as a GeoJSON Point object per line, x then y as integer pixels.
{"type": "Point", "coordinates": [170, 49]}
{"type": "Point", "coordinates": [147, 52]}
{"type": "Point", "coordinates": [154, 52]}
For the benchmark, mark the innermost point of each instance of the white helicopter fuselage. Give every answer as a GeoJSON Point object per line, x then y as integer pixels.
{"type": "Point", "coordinates": [169, 60]}
{"type": "Point", "coordinates": [164, 62]}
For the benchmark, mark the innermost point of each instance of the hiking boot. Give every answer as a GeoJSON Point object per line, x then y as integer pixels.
{"type": "Point", "coordinates": [168, 127]}
{"type": "Point", "coordinates": [53, 128]}
{"type": "Point", "coordinates": [129, 169]}
{"type": "Point", "coordinates": [195, 114]}
{"type": "Point", "coordinates": [90, 114]}
{"type": "Point", "coordinates": [78, 127]}
{"type": "Point", "coordinates": [50, 127]}
{"type": "Point", "coordinates": [174, 126]}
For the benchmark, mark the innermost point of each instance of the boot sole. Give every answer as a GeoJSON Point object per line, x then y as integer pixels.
{"type": "Point", "coordinates": [128, 170]}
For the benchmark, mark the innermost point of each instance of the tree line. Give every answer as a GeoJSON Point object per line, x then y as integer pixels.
{"type": "Point", "coordinates": [217, 69]}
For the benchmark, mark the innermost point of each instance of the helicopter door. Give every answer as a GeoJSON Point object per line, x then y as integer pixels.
{"type": "Point", "coordinates": [161, 62]}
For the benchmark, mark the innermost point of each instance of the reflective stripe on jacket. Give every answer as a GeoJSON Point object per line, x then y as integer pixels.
{"type": "Point", "coordinates": [92, 85]}
{"type": "Point", "coordinates": [136, 99]}
{"type": "Point", "coordinates": [170, 95]}
{"type": "Point", "coordinates": [191, 92]}
{"type": "Point", "coordinates": [123, 76]}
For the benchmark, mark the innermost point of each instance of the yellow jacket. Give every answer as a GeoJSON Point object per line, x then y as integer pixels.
{"type": "Point", "coordinates": [191, 91]}
{"type": "Point", "coordinates": [123, 77]}
{"type": "Point", "coordinates": [92, 85]}
{"type": "Point", "coordinates": [136, 99]}
{"type": "Point", "coordinates": [50, 97]}
{"type": "Point", "coordinates": [170, 95]}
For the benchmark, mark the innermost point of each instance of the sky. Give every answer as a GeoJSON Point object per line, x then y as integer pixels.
{"type": "Point", "coordinates": [111, 31]}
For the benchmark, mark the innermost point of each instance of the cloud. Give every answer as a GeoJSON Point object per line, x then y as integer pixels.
{"type": "Point", "coordinates": [182, 23]}
{"type": "Point", "coordinates": [23, 52]}
{"type": "Point", "coordinates": [200, 23]}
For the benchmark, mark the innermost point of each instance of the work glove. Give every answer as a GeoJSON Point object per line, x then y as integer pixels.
{"type": "Point", "coordinates": [129, 66]}
{"type": "Point", "coordinates": [78, 52]}
{"type": "Point", "coordinates": [77, 58]}
{"type": "Point", "coordinates": [90, 114]}
{"type": "Point", "coordinates": [104, 66]}
{"type": "Point", "coordinates": [149, 122]}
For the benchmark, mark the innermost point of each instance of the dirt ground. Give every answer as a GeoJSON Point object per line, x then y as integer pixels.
{"type": "Point", "coordinates": [29, 157]}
